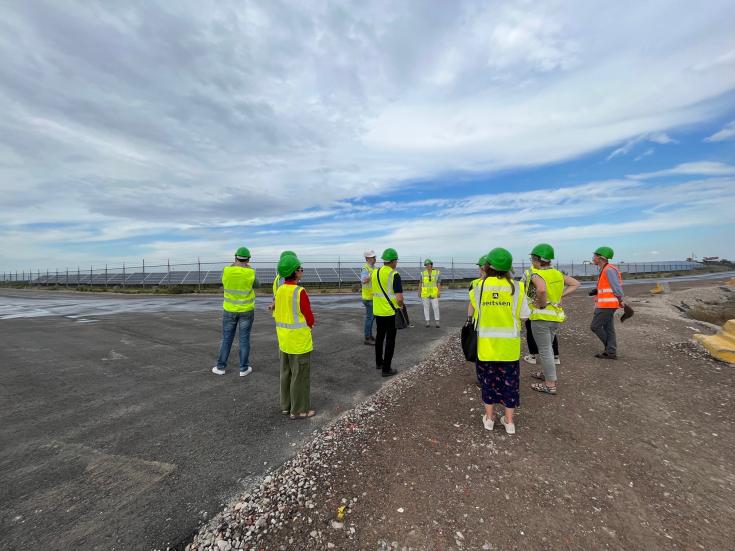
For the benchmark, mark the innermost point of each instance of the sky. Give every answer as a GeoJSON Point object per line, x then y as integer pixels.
{"type": "Point", "coordinates": [164, 130]}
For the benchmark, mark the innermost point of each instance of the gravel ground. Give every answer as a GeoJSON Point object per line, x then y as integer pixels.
{"type": "Point", "coordinates": [631, 454]}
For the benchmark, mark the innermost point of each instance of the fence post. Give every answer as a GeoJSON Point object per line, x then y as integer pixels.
{"type": "Point", "coordinates": [339, 272]}
{"type": "Point", "coordinates": [67, 277]}
{"type": "Point", "coordinates": [123, 274]}
{"type": "Point", "coordinates": [168, 272]}
{"type": "Point", "coordinates": [143, 282]}
{"type": "Point", "coordinates": [105, 276]}
{"type": "Point", "coordinates": [90, 278]}
{"type": "Point", "coordinates": [199, 274]}
{"type": "Point", "coordinates": [452, 269]}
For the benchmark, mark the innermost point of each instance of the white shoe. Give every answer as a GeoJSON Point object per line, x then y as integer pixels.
{"type": "Point", "coordinates": [530, 358]}
{"type": "Point", "coordinates": [488, 423]}
{"type": "Point", "coordinates": [510, 428]}
{"type": "Point", "coordinates": [217, 371]}
{"type": "Point", "coordinates": [557, 361]}
{"type": "Point", "coordinates": [248, 371]}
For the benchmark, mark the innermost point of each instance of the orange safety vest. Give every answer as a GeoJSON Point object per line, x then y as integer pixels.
{"type": "Point", "coordinates": [605, 297]}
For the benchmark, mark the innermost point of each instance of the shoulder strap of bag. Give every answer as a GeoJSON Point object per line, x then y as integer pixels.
{"type": "Point", "coordinates": [479, 304]}
{"type": "Point", "coordinates": [384, 293]}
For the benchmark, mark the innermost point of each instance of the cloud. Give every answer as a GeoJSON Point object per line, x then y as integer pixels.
{"type": "Point", "coordinates": [648, 152]}
{"type": "Point", "coordinates": [727, 133]}
{"type": "Point", "coordinates": [130, 121]}
{"type": "Point", "coordinates": [702, 168]}
{"type": "Point", "coordinates": [656, 137]}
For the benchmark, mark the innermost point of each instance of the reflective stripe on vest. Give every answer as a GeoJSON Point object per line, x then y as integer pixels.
{"type": "Point", "coordinates": [605, 297]}
{"type": "Point", "coordinates": [554, 280]}
{"type": "Point", "coordinates": [498, 321]}
{"type": "Point", "coordinates": [238, 294]}
{"type": "Point", "coordinates": [429, 286]}
{"type": "Point", "coordinates": [367, 288]}
{"type": "Point", "coordinates": [294, 334]}
{"type": "Point", "coordinates": [381, 307]}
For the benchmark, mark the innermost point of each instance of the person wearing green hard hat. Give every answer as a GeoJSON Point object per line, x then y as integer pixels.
{"type": "Point", "coordinates": [387, 301]}
{"type": "Point", "coordinates": [546, 286]}
{"type": "Point", "coordinates": [501, 304]}
{"type": "Point", "coordinates": [239, 281]}
{"type": "Point", "coordinates": [294, 321]}
{"type": "Point", "coordinates": [430, 289]}
{"type": "Point", "coordinates": [608, 298]}
{"type": "Point", "coordinates": [472, 311]}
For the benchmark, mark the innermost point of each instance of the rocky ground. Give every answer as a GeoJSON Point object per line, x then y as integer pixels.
{"type": "Point", "coordinates": [631, 454]}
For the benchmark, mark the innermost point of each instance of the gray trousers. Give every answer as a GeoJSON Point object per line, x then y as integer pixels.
{"type": "Point", "coordinates": [603, 325]}
{"type": "Point", "coordinates": [543, 333]}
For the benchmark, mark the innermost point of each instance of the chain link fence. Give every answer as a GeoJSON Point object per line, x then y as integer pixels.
{"type": "Point", "coordinates": [330, 272]}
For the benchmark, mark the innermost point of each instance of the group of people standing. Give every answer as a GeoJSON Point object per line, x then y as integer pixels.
{"type": "Point", "coordinates": [498, 307]}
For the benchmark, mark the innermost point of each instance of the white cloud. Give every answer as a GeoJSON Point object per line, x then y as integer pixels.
{"type": "Point", "coordinates": [657, 137]}
{"type": "Point", "coordinates": [726, 133]}
{"type": "Point", "coordinates": [131, 122]}
{"type": "Point", "coordinates": [702, 168]}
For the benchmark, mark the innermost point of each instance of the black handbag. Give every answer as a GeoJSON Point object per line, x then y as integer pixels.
{"type": "Point", "coordinates": [401, 313]}
{"type": "Point", "coordinates": [468, 336]}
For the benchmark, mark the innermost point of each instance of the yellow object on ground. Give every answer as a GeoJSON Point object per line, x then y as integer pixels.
{"type": "Point", "coordinates": [731, 282]}
{"type": "Point", "coordinates": [721, 345]}
{"type": "Point", "coordinates": [660, 289]}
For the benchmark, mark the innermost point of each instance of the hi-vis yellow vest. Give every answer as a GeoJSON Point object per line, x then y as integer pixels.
{"type": "Point", "coordinates": [554, 288]}
{"type": "Point", "coordinates": [276, 284]}
{"type": "Point", "coordinates": [498, 319]}
{"type": "Point", "coordinates": [473, 285]}
{"type": "Point", "coordinates": [294, 335]}
{"type": "Point", "coordinates": [381, 307]}
{"type": "Point", "coordinates": [367, 288]}
{"type": "Point", "coordinates": [429, 288]}
{"type": "Point", "coordinates": [238, 294]}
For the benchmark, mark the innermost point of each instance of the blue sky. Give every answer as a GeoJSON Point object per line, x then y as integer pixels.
{"type": "Point", "coordinates": [157, 130]}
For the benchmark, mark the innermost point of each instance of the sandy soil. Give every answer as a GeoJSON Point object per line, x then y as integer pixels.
{"type": "Point", "coordinates": [631, 454]}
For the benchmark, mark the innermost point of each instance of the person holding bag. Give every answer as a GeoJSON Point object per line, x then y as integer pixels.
{"type": "Point", "coordinates": [501, 304]}
{"type": "Point", "coordinates": [387, 306]}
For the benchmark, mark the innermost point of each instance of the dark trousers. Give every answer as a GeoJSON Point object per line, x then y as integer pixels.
{"type": "Point", "coordinates": [533, 347]}
{"type": "Point", "coordinates": [386, 332]}
{"type": "Point", "coordinates": [603, 325]}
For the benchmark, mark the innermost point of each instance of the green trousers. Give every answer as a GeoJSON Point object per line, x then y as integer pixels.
{"type": "Point", "coordinates": [295, 384]}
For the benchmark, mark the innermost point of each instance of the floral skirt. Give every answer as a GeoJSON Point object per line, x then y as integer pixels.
{"type": "Point", "coordinates": [499, 381]}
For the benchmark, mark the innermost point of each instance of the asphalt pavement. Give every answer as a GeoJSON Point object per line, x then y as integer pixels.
{"type": "Point", "coordinates": [114, 434]}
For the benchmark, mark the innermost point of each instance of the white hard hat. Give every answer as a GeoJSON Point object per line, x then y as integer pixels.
{"type": "Point", "coordinates": [369, 253]}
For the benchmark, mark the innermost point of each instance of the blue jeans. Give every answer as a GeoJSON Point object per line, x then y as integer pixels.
{"type": "Point", "coordinates": [368, 318]}
{"type": "Point", "coordinates": [230, 322]}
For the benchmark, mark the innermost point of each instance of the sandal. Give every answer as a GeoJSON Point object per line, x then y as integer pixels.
{"type": "Point", "coordinates": [538, 375]}
{"type": "Point", "coordinates": [310, 413]}
{"type": "Point", "coordinates": [541, 387]}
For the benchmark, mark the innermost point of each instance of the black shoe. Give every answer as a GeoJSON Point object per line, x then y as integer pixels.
{"type": "Point", "coordinates": [390, 373]}
{"type": "Point", "coordinates": [369, 342]}
{"type": "Point", "coordinates": [437, 325]}
{"type": "Point", "coordinates": [378, 367]}
{"type": "Point", "coordinates": [606, 356]}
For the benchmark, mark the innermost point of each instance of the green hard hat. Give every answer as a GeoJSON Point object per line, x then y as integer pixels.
{"type": "Point", "coordinates": [500, 259]}
{"type": "Point", "coordinates": [242, 252]}
{"type": "Point", "coordinates": [544, 251]}
{"type": "Point", "coordinates": [287, 253]}
{"type": "Point", "coordinates": [287, 265]}
{"type": "Point", "coordinates": [428, 261]}
{"type": "Point", "coordinates": [605, 252]}
{"type": "Point", "coordinates": [389, 255]}
{"type": "Point", "coordinates": [482, 261]}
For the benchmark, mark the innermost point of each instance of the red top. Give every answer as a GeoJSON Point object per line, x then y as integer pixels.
{"type": "Point", "coordinates": [304, 304]}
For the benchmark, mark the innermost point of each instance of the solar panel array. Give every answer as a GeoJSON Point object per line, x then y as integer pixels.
{"type": "Point", "coordinates": [345, 275]}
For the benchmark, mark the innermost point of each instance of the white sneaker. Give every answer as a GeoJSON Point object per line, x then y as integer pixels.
{"type": "Point", "coordinates": [217, 371]}
{"type": "Point", "coordinates": [248, 371]}
{"type": "Point", "coordinates": [530, 358]}
{"type": "Point", "coordinates": [557, 361]}
{"type": "Point", "coordinates": [488, 423]}
{"type": "Point", "coordinates": [510, 428]}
